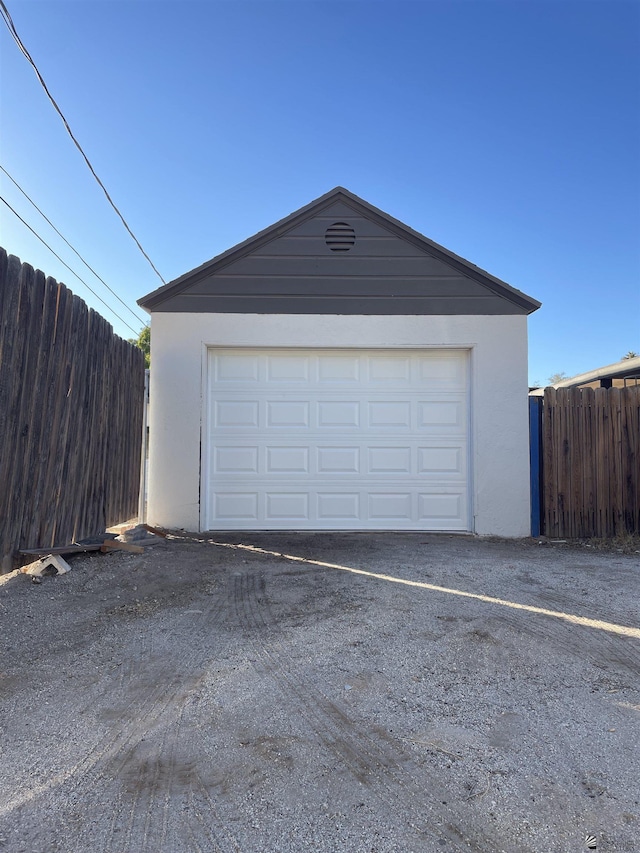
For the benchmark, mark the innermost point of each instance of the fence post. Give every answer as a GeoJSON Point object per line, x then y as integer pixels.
{"type": "Point", "coordinates": [142, 497]}
{"type": "Point", "coordinates": [535, 461]}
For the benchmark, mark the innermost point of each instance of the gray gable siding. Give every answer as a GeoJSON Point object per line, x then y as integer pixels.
{"type": "Point", "coordinates": [388, 270]}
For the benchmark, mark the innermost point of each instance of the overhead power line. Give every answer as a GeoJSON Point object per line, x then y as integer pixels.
{"type": "Point", "coordinates": [11, 26]}
{"type": "Point", "coordinates": [35, 233]}
{"type": "Point", "coordinates": [75, 251]}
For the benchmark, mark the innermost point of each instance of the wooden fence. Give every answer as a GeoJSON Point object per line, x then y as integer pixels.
{"type": "Point", "coordinates": [71, 397]}
{"type": "Point", "coordinates": [590, 477]}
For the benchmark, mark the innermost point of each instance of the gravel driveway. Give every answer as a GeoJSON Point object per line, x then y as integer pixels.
{"type": "Point", "coordinates": [254, 694]}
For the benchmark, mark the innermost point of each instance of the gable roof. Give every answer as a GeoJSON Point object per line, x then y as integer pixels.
{"type": "Point", "coordinates": [339, 255]}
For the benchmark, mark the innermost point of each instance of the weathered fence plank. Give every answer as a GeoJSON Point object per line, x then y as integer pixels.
{"type": "Point", "coordinates": [588, 444]}
{"type": "Point", "coordinates": [71, 400]}
{"type": "Point", "coordinates": [591, 462]}
{"type": "Point", "coordinates": [630, 458]}
{"type": "Point", "coordinates": [617, 509]}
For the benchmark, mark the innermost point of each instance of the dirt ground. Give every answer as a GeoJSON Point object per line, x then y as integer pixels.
{"type": "Point", "coordinates": [251, 693]}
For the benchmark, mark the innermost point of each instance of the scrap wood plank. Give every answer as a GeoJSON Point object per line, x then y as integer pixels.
{"type": "Point", "coordinates": [62, 549]}
{"type": "Point", "coordinates": [155, 530]}
{"type": "Point", "coordinates": [114, 545]}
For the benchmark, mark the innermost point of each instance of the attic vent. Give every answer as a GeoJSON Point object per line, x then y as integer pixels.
{"type": "Point", "coordinates": [340, 237]}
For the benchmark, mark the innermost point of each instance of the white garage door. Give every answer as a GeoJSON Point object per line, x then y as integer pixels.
{"type": "Point", "coordinates": [336, 439]}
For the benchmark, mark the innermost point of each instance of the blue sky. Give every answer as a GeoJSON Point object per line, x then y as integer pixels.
{"type": "Point", "coordinates": [509, 132]}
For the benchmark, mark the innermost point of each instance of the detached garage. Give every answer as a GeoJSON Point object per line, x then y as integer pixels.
{"type": "Point", "coordinates": [339, 371]}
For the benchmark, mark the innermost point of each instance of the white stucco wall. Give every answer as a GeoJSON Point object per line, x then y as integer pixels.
{"type": "Point", "coordinates": [499, 413]}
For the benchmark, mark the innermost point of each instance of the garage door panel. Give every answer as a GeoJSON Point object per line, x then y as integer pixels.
{"type": "Point", "coordinates": [389, 414]}
{"type": "Point", "coordinates": [439, 414]}
{"type": "Point", "coordinates": [236, 413]}
{"type": "Point", "coordinates": [236, 368]}
{"type": "Point", "coordinates": [390, 506]}
{"type": "Point", "coordinates": [287, 505]}
{"type": "Point", "coordinates": [288, 368]}
{"type": "Point", "coordinates": [236, 506]}
{"type": "Point", "coordinates": [396, 460]}
{"type": "Point", "coordinates": [288, 413]}
{"type": "Point", "coordinates": [306, 439]}
{"type": "Point", "coordinates": [338, 369]}
{"type": "Point", "coordinates": [390, 368]}
{"type": "Point", "coordinates": [287, 460]}
{"type": "Point", "coordinates": [338, 460]}
{"type": "Point", "coordinates": [441, 510]}
{"type": "Point", "coordinates": [445, 371]}
{"type": "Point", "coordinates": [235, 460]}
{"type": "Point", "coordinates": [341, 507]}
{"type": "Point", "coordinates": [437, 460]}
{"type": "Point", "coordinates": [335, 414]}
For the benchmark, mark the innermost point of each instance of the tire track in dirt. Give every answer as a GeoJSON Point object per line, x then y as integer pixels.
{"type": "Point", "coordinates": [147, 802]}
{"type": "Point", "coordinates": [374, 759]}
{"type": "Point", "coordinates": [133, 668]}
{"type": "Point", "coordinates": [202, 807]}
{"type": "Point", "coordinates": [582, 606]}
{"type": "Point", "coordinates": [161, 695]}
{"type": "Point", "coordinates": [204, 836]}
{"type": "Point", "coordinates": [147, 785]}
{"type": "Point", "coordinates": [111, 764]}
{"type": "Point", "coordinates": [166, 802]}
{"type": "Point", "coordinates": [602, 648]}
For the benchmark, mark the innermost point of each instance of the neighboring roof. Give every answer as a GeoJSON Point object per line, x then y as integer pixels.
{"type": "Point", "coordinates": [372, 264]}
{"type": "Point", "coordinates": [627, 368]}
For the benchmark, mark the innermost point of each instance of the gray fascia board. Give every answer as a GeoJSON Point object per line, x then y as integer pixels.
{"type": "Point", "coordinates": [496, 285]}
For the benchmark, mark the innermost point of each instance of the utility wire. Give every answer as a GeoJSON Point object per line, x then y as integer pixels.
{"type": "Point", "coordinates": [90, 268]}
{"type": "Point", "coordinates": [11, 26]}
{"type": "Point", "coordinates": [67, 266]}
